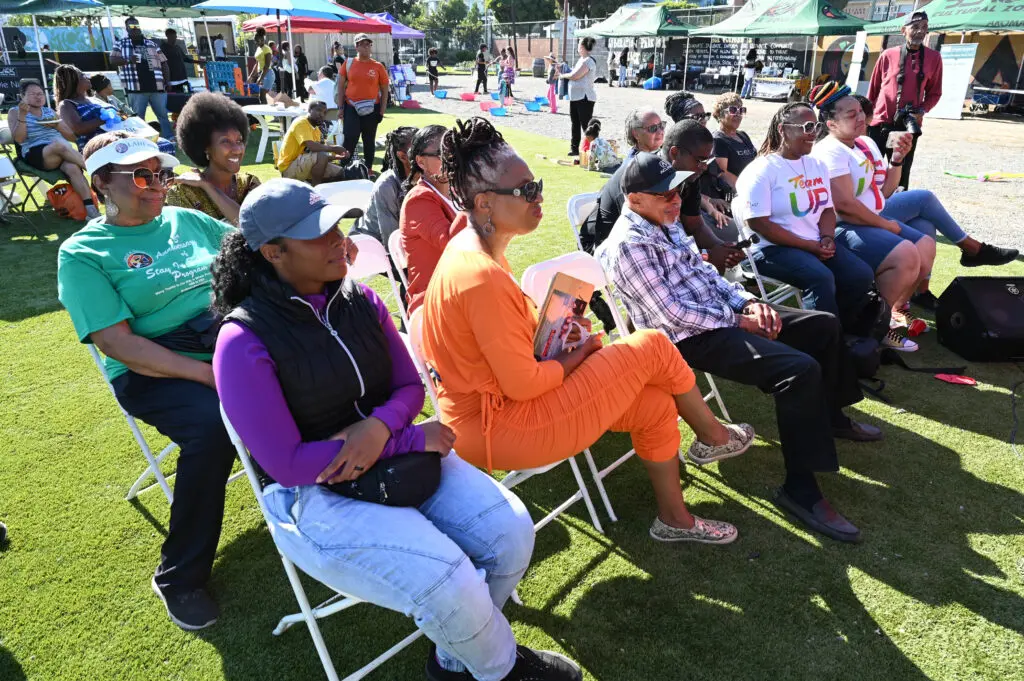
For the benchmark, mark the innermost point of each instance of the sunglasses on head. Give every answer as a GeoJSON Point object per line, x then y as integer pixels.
{"type": "Point", "coordinates": [734, 110]}
{"type": "Point", "coordinates": [530, 191]}
{"type": "Point", "coordinates": [145, 178]}
{"type": "Point", "coordinates": [700, 118]}
{"type": "Point", "coordinates": [807, 127]}
{"type": "Point", "coordinates": [654, 129]}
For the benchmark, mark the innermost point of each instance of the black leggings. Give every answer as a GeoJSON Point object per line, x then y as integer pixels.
{"type": "Point", "coordinates": [580, 113]}
{"type": "Point", "coordinates": [354, 126]}
{"type": "Point", "coordinates": [481, 79]}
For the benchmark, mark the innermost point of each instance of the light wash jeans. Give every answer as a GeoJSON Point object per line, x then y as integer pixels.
{"type": "Point", "coordinates": [748, 85]}
{"type": "Point", "coordinates": [622, 76]}
{"type": "Point", "coordinates": [922, 210]}
{"type": "Point", "coordinates": [450, 564]}
{"type": "Point", "coordinates": [139, 101]}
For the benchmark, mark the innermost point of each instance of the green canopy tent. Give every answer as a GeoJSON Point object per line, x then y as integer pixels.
{"type": "Point", "coordinates": [785, 18]}
{"type": "Point", "coordinates": [639, 22]}
{"type": "Point", "coordinates": [957, 16]}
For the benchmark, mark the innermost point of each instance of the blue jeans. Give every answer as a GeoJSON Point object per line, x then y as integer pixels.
{"type": "Point", "coordinates": [748, 85]}
{"type": "Point", "coordinates": [450, 564]}
{"type": "Point", "coordinates": [837, 285]}
{"type": "Point", "coordinates": [139, 101]}
{"type": "Point", "coordinates": [922, 210]}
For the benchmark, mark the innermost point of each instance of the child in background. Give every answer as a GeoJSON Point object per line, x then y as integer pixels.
{"type": "Point", "coordinates": [432, 63]}
{"type": "Point", "coordinates": [552, 82]}
{"type": "Point", "coordinates": [508, 66]}
{"type": "Point", "coordinates": [598, 154]}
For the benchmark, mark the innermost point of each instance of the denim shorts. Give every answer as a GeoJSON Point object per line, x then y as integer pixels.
{"type": "Point", "coordinates": [873, 244]}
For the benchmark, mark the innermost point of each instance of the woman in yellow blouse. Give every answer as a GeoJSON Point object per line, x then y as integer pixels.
{"type": "Point", "coordinates": [510, 411]}
{"type": "Point", "coordinates": [212, 131]}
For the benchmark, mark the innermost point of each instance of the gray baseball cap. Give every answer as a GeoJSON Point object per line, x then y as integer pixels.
{"type": "Point", "coordinates": [288, 208]}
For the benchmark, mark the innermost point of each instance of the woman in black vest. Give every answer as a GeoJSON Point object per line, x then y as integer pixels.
{"type": "Point", "coordinates": [318, 383]}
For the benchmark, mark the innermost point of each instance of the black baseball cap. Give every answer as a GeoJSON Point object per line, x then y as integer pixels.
{"type": "Point", "coordinates": [915, 16]}
{"type": "Point", "coordinates": [289, 208]}
{"type": "Point", "coordinates": [648, 173]}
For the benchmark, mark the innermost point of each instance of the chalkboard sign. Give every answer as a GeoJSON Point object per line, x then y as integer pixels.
{"type": "Point", "coordinates": [11, 77]}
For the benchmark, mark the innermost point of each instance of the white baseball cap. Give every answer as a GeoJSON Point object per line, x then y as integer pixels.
{"type": "Point", "coordinates": [126, 152]}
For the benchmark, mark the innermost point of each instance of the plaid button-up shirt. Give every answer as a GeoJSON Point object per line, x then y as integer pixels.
{"type": "Point", "coordinates": [129, 71]}
{"type": "Point", "coordinates": [664, 282]}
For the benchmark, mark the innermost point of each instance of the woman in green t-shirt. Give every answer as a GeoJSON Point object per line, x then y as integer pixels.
{"type": "Point", "coordinates": [137, 284]}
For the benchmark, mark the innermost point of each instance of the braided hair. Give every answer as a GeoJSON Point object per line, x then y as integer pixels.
{"type": "Point", "coordinates": [234, 269]}
{"type": "Point", "coordinates": [65, 82]}
{"type": "Point", "coordinates": [420, 141]}
{"type": "Point", "coordinates": [773, 140]}
{"type": "Point", "coordinates": [397, 140]}
{"type": "Point", "coordinates": [471, 155]}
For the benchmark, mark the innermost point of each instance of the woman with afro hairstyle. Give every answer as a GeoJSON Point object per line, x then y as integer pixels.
{"type": "Point", "coordinates": [510, 411]}
{"type": "Point", "coordinates": [212, 131]}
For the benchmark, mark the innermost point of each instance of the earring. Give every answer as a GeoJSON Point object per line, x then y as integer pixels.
{"type": "Point", "coordinates": [109, 207]}
{"type": "Point", "coordinates": [488, 227]}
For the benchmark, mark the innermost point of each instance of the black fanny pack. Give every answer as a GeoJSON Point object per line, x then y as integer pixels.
{"type": "Point", "coordinates": [403, 480]}
{"type": "Point", "coordinates": [196, 336]}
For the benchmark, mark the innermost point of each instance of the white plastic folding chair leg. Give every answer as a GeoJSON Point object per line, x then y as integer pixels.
{"type": "Point", "coordinates": [396, 249]}
{"type": "Point", "coordinates": [308, 614]}
{"type": "Point", "coordinates": [154, 462]}
{"type": "Point", "coordinates": [781, 291]}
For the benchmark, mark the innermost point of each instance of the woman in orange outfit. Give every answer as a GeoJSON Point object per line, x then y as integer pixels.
{"type": "Point", "coordinates": [510, 411]}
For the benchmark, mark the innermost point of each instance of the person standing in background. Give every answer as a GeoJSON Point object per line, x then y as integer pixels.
{"type": "Point", "coordinates": [301, 71]}
{"type": "Point", "coordinates": [177, 55]}
{"type": "Point", "coordinates": [481, 70]}
{"type": "Point", "coordinates": [432, 63]}
{"type": "Point", "coordinates": [905, 85]}
{"type": "Point", "coordinates": [581, 92]}
{"type": "Point", "coordinates": [261, 73]}
{"type": "Point", "coordinates": [612, 62]}
{"type": "Point", "coordinates": [143, 71]}
{"type": "Point", "coordinates": [553, 82]}
{"type": "Point", "coordinates": [749, 73]}
{"type": "Point", "coordinates": [623, 63]}
{"type": "Point", "coordinates": [219, 47]}
{"type": "Point", "coordinates": [363, 97]}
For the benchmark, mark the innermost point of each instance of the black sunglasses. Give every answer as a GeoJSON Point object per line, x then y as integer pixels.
{"type": "Point", "coordinates": [700, 118]}
{"type": "Point", "coordinates": [530, 191]}
{"type": "Point", "coordinates": [654, 129]}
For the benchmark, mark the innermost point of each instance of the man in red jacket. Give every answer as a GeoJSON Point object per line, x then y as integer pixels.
{"type": "Point", "coordinates": [906, 84]}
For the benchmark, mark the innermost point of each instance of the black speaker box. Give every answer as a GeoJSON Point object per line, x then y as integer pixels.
{"type": "Point", "coordinates": [982, 318]}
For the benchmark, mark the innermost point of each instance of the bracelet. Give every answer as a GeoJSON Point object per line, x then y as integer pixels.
{"type": "Point", "coordinates": [894, 164]}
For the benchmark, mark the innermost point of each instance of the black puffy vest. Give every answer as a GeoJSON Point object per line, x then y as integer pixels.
{"type": "Point", "coordinates": [334, 369]}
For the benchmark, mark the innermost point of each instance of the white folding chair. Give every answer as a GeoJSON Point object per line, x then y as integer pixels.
{"type": "Point", "coordinates": [154, 461]}
{"type": "Point", "coordinates": [396, 249]}
{"type": "Point", "coordinates": [579, 207]}
{"type": "Point", "coordinates": [514, 477]}
{"type": "Point", "coordinates": [350, 192]}
{"type": "Point", "coordinates": [780, 291]}
{"type": "Point", "coordinates": [340, 601]}
{"type": "Point", "coordinates": [371, 261]}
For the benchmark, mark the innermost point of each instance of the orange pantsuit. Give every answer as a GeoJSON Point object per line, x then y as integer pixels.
{"type": "Point", "coordinates": [510, 411]}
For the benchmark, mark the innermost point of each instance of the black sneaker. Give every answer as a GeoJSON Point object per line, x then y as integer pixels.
{"type": "Point", "coordinates": [989, 255]}
{"type": "Point", "coordinates": [191, 611]}
{"type": "Point", "coordinates": [543, 665]}
{"type": "Point", "coordinates": [435, 672]}
{"type": "Point", "coordinates": [925, 301]}
{"type": "Point", "coordinates": [574, 153]}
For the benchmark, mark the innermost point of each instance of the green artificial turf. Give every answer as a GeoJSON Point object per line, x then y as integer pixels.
{"type": "Point", "coordinates": [935, 590]}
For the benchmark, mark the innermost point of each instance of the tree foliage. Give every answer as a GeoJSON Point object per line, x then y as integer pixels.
{"type": "Point", "coordinates": [523, 11]}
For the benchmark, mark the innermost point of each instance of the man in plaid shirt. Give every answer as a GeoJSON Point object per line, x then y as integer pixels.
{"type": "Point", "coordinates": [796, 356]}
{"type": "Point", "coordinates": [143, 71]}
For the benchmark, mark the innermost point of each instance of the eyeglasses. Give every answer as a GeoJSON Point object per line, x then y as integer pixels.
{"type": "Point", "coordinates": [531, 191]}
{"type": "Point", "coordinates": [734, 110]}
{"type": "Point", "coordinates": [654, 129]}
{"type": "Point", "coordinates": [808, 127]}
{"type": "Point", "coordinates": [665, 196]}
{"type": "Point", "coordinates": [700, 118]}
{"type": "Point", "coordinates": [701, 161]}
{"type": "Point", "coordinates": [144, 177]}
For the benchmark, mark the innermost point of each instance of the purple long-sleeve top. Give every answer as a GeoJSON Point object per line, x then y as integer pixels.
{"type": "Point", "coordinates": [254, 402]}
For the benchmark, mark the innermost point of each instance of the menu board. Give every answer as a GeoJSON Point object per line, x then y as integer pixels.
{"type": "Point", "coordinates": [718, 52]}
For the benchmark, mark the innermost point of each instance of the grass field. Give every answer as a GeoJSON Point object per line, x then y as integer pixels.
{"type": "Point", "coordinates": [936, 590]}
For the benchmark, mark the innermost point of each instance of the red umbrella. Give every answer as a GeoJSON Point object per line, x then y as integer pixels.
{"type": "Point", "coordinates": [311, 25]}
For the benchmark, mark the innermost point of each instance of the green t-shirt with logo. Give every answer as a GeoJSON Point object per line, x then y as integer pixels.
{"type": "Point", "coordinates": [155, 276]}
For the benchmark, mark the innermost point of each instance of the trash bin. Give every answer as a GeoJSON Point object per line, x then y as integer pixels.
{"type": "Point", "coordinates": [539, 68]}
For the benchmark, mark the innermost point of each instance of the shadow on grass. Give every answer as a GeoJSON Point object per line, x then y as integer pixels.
{"type": "Point", "coordinates": [10, 670]}
{"type": "Point", "coordinates": [28, 265]}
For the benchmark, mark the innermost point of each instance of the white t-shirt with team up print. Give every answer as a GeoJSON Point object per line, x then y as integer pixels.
{"type": "Point", "coordinates": [793, 194]}
{"type": "Point", "coordinates": [865, 165]}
